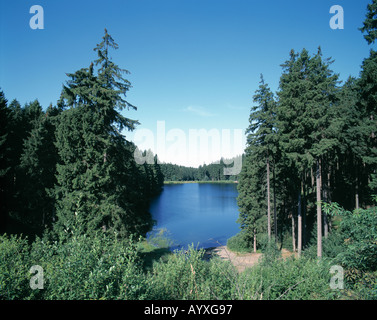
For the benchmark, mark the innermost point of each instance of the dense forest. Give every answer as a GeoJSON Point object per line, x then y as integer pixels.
{"type": "Point", "coordinates": [69, 167]}
{"type": "Point", "coordinates": [211, 172]}
{"type": "Point", "coordinates": [311, 154]}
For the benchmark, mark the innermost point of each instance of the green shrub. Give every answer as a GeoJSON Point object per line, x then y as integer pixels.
{"type": "Point", "coordinates": [179, 277]}
{"type": "Point", "coordinates": [90, 268]}
{"type": "Point", "coordinates": [239, 243]}
{"type": "Point", "coordinates": [291, 279]}
{"type": "Point", "coordinates": [14, 268]}
{"type": "Point", "coordinates": [80, 268]}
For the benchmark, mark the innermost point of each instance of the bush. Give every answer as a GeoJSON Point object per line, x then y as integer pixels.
{"type": "Point", "coordinates": [239, 243]}
{"type": "Point", "coordinates": [180, 277]}
{"type": "Point", "coordinates": [291, 279]}
{"type": "Point", "coordinates": [90, 268]}
{"type": "Point", "coordinates": [80, 268]}
{"type": "Point", "coordinates": [14, 268]}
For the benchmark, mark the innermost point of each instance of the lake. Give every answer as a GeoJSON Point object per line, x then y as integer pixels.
{"type": "Point", "coordinates": [203, 214]}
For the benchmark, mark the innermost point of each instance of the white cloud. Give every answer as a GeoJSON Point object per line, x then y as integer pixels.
{"type": "Point", "coordinates": [199, 111]}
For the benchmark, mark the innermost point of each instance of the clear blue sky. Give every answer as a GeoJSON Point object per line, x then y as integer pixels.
{"type": "Point", "coordinates": [194, 64]}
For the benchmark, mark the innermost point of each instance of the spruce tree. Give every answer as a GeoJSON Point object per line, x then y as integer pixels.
{"type": "Point", "coordinates": [4, 161]}
{"type": "Point", "coordinates": [293, 126]}
{"type": "Point", "coordinates": [253, 200]}
{"type": "Point", "coordinates": [306, 98]}
{"type": "Point", "coordinates": [262, 137]}
{"type": "Point", "coordinates": [370, 23]}
{"type": "Point", "coordinates": [368, 103]}
{"type": "Point", "coordinates": [38, 167]}
{"type": "Point", "coordinates": [95, 186]}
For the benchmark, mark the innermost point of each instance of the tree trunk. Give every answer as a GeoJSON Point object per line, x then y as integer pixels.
{"type": "Point", "coordinates": [319, 211]}
{"type": "Point", "coordinates": [293, 233]}
{"type": "Point", "coordinates": [255, 240]}
{"type": "Point", "coordinates": [357, 189]}
{"type": "Point", "coordinates": [275, 217]}
{"type": "Point", "coordinates": [328, 200]}
{"type": "Point", "coordinates": [299, 226]}
{"type": "Point", "coordinates": [324, 191]}
{"type": "Point", "coordinates": [304, 210]}
{"type": "Point", "coordinates": [268, 201]}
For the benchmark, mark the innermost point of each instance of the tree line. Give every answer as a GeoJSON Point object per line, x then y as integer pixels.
{"type": "Point", "coordinates": [312, 142]}
{"type": "Point", "coordinates": [207, 172]}
{"type": "Point", "coordinates": [69, 169]}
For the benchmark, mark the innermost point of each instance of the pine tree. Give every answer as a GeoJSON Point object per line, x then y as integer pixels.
{"type": "Point", "coordinates": [348, 122]}
{"type": "Point", "coordinates": [255, 174]}
{"type": "Point", "coordinates": [95, 186]}
{"type": "Point", "coordinates": [293, 126]}
{"type": "Point", "coordinates": [4, 161]}
{"type": "Point", "coordinates": [38, 168]}
{"type": "Point", "coordinates": [307, 94]}
{"type": "Point", "coordinates": [367, 105]}
{"type": "Point", "coordinates": [261, 135]}
{"type": "Point", "coordinates": [370, 24]}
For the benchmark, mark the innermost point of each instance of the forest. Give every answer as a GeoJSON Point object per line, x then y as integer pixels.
{"type": "Point", "coordinates": [74, 202]}
{"type": "Point", "coordinates": [206, 172]}
{"type": "Point", "coordinates": [70, 167]}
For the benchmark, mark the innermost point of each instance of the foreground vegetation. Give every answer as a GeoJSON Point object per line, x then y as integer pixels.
{"type": "Point", "coordinates": [100, 267]}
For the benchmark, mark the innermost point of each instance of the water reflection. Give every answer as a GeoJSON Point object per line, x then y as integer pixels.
{"type": "Point", "coordinates": [201, 214]}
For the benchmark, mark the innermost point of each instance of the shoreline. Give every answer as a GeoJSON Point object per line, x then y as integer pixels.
{"type": "Point", "coordinates": [201, 181]}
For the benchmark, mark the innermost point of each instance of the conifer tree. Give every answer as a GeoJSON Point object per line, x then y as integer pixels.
{"type": "Point", "coordinates": [255, 175]}
{"type": "Point", "coordinates": [38, 167]}
{"type": "Point", "coordinates": [368, 96]}
{"type": "Point", "coordinates": [4, 161]}
{"type": "Point", "coordinates": [94, 188]}
{"type": "Point", "coordinates": [370, 24]}
{"type": "Point", "coordinates": [293, 126]}
{"type": "Point", "coordinates": [307, 94]}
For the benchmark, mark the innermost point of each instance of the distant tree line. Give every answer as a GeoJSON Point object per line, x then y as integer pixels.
{"type": "Point", "coordinates": [69, 169]}
{"type": "Point", "coordinates": [211, 172]}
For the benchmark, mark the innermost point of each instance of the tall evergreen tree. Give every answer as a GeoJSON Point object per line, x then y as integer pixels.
{"type": "Point", "coordinates": [307, 93]}
{"type": "Point", "coordinates": [370, 24]}
{"type": "Point", "coordinates": [93, 183]}
{"type": "Point", "coordinates": [260, 152]}
{"type": "Point", "coordinates": [4, 161]}
{"type": "Point", "coordinates": [38, 168]}
{"type": "Point", "coordinates": [293, 125]}
{"type": "Point", "coordinates": [368, 95]}
{"type": "Point", "coordinates": [261, 135]}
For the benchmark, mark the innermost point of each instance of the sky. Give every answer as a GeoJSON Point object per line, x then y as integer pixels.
{"type": "Point", "coordinates": [194, 64]}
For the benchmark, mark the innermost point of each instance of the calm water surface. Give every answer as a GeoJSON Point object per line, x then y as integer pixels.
{"type": "Point", "coordinates": [202, 214]}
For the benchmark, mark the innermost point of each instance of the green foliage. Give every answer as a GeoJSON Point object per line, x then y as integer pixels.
{"type": "Point", "coordinates": [99, 185]}
{"type": "Point", "coordinates": [81, 268]}
{"type": "Point", "coordinates": [14, 268]}
{"type": "Point", "coordinates": [291, 279]}
{"type": "Point", "coordinates": [210, 172]}
{"type": "Point", "coordinates": [370, 27]}
{"type": "Point", "coordinates": [359, 230]}
{"type": "Point", "coordinates": [241, 242]}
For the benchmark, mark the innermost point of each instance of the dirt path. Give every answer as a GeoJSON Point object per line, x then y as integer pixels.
{"type": "Point", "coordinates": [240, 260]}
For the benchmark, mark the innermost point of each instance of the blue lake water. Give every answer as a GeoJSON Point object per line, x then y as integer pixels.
{"type": "Point", "coordinates": [203, 214]}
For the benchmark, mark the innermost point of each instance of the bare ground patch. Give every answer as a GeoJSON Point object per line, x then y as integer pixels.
{"type": "Point", "coordinates": [240, 260]}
